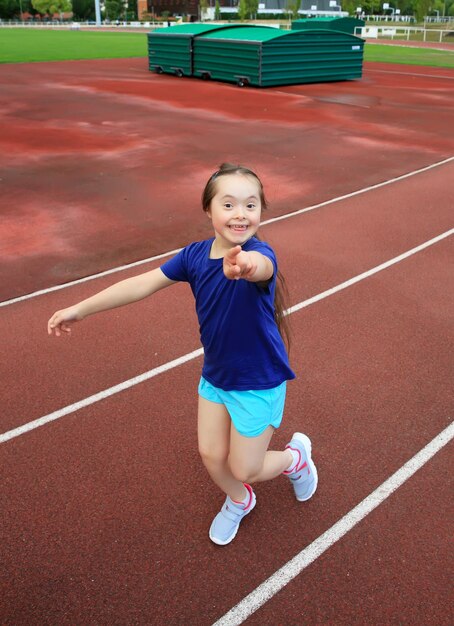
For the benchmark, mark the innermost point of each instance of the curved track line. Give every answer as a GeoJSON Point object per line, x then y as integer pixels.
{"type": "Point", "coordinates": [371, 272]}
{"type": "Point", "coordinates": [359, 192]}
{"type": "Point", "coordinates": [106, 393]}
{"type": "Point", "coordinates": [122, 268]}
{"type": "Point", "coordinates": [270, 587]}
{"type": "Point", "coordinates": [101, 395]}
{"type": "Point", "coordinates": [415, 73]}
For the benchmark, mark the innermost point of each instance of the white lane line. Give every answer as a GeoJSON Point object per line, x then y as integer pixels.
{"type": "Point", "coordinates": [86, 279]}
{"type": "Point", "coordinates": [414, 73]}
{"type": "Point", "coordinates": [270, 587]}
{"type": "Point", "coordinates": [360, 191]}
{"type": "Point", "coordinates": [101, 395]}
{"type": "Point", "coordinates": [106, 393]}
{"type": "Point", "coordinates": [371, 272]}
{"type": "Point", "coordinates": [122, 268]}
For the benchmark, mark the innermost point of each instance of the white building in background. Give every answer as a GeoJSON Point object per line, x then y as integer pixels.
{"type": "Point", "coordinates": [191, 7]}
{"type": "Point", "coordinates": [308, 7]}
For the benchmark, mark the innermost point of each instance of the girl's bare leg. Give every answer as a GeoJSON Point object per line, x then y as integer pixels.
{"type": "Point", "coordinates": [251, 461]}
{"type": "Point", "coordinates": [214, 426]}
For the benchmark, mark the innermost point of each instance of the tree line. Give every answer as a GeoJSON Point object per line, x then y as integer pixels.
{"type": "Point", "coordinates": [115, 9]}
{"type": "Point", "coordinates": [82, 10]}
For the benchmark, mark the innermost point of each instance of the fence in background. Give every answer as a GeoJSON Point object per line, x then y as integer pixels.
{"type": "Point", "coordinates": [407, 33]}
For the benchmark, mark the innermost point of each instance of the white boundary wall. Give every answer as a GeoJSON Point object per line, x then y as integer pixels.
{"type": "Point", "coordinates": [402, 32]}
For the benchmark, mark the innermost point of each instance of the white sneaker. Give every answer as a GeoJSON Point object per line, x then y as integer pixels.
{"type": "Point", "coordinates": [304, 477]}
{"type": "Point", "coordinates": [226, 523]}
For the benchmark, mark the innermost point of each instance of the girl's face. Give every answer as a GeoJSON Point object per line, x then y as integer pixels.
{"type": "Point", "coordinates": [235, 210]}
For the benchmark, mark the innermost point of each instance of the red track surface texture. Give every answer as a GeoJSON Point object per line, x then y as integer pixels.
{"type": "Point", "coordinates": [105, 511]}
{"type": "Point", "coordinates": [103, 162]}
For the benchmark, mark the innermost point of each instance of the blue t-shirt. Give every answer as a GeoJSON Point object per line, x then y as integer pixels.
{"type": "Point", "coordinates": [242, 344]}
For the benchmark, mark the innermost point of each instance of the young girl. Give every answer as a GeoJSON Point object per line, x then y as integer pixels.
{"type": "Point", "coordinates": [242, 389]}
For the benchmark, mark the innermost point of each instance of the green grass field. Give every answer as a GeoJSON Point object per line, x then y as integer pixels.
{"type": "Point", "coordinates": [409, 56]}
{"type": "Point", "coordinates": [24, 46]}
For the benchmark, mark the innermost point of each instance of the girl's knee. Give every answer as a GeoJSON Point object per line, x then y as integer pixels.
{"type": "Point", "coordinates": [244, 471]}
{"type": "Point", "coordinates": [212, 455]}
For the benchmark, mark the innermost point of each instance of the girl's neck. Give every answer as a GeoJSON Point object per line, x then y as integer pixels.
{"type": "Point", "coordinates": [218, 251]}
{"type": "Point", "coordinates": [219, 248]}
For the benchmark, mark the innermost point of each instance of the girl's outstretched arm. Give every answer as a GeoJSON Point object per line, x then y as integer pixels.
{"type": "Point", "coordinates": [252, 266]}
{"type": "Point", "coordinates": [124, 292]}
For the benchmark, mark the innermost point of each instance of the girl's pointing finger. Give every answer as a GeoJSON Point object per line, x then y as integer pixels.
{"type": "Point", "coordinates": [232, 253]}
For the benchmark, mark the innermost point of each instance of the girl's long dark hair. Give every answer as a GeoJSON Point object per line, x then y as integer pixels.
{"type": "Point", "coordinates": [281, 293]}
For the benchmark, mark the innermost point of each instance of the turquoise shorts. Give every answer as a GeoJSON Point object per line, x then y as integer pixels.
{"type": "Point", "coordinates": [251, 411]}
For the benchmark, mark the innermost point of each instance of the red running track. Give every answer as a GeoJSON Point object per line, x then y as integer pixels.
{"type": "Point", "coordinates": [106, 510]}
{"type": "Point", "coordinates": [102, 162]}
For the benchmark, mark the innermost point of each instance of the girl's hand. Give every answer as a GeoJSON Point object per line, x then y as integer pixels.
{"type": "Point", "coordinates": [239, 264]}
{"type": "Point", "coordinates": [61, 321]}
